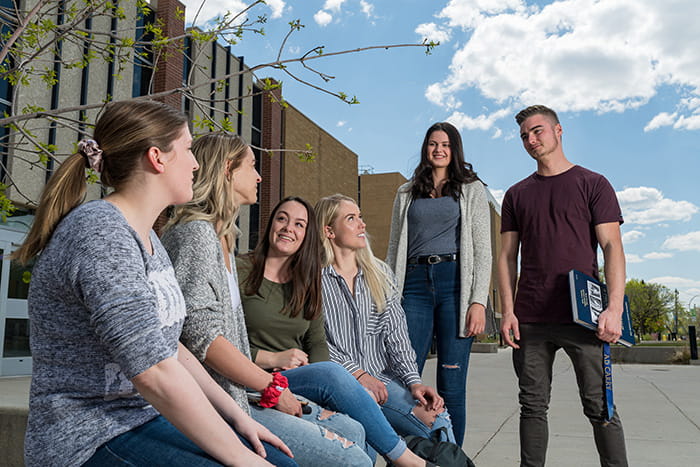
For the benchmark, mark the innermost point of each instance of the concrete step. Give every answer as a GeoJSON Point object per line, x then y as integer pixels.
{"type": "Point", "coordinates": [14, 406]}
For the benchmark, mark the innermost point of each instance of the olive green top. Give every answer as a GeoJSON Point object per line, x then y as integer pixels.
{"type": "Point", "coordinates": [271, 330]}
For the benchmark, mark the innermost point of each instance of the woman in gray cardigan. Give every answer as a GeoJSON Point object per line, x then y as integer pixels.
{"type": "Point", "coordinates": [440, 251]}
{"type": "Point", "coordinates": [200, 241]}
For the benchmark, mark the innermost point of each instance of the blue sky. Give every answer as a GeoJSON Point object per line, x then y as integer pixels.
{"type": "Point", "coordinates": [624, 76]}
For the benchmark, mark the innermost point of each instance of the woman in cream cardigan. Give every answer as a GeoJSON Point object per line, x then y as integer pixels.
{"type": "Point", "coordinates": [440, 251]}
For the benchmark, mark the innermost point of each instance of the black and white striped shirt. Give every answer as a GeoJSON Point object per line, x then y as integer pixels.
{"type": "Point", "coordinates": [360, 338]}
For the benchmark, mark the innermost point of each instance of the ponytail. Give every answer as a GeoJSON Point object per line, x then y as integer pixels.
{"type": "Point", "coordinates": [123, 134]}
{"type": "Point", "coordinates": [65, 190]}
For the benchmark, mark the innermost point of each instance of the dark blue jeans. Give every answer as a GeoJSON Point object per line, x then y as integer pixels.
{"type": "Point", "coordinates": [159, 443]}
{"type": "Point", "coordinates": [431, 304]}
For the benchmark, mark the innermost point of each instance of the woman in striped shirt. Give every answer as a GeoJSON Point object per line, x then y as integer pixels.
{"type": "Point", "coordinates": [366, 326]}
{"type": "Point", "coordinates": [280, 292]}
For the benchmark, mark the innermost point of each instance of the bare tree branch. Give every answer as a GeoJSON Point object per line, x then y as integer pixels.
{"type": "Point", "coordinates": [20, 29]}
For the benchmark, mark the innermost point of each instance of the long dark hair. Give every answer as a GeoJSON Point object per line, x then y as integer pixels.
{"type": "Point", "coordinates": [459, 171]}
{"type": "Point", "coordinates": [304, 266]}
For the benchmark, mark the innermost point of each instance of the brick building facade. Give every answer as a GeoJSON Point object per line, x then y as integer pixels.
{"type": "Point", "coordinates": [276, 129]}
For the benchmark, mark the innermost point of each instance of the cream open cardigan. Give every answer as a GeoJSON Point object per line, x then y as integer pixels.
{"type": "Point", "coordinates": [474, 245]}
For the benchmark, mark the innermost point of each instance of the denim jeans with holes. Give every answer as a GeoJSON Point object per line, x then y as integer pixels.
{"type": "Point", "coordinates": [331, 386]}
{"type": "Point", "coordinates": [319, 438]}
{"type": "Point", "coordinates": [398, 409]}
{"type": "Point", "coordinates": [431, 303]}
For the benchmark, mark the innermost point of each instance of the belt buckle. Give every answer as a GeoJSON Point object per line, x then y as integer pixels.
{"type": "Point", "coordinates": [434, 259]}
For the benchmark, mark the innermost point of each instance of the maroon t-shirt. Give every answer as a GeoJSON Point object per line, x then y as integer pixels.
{"type": "Point", "coordinates": [555, 218]}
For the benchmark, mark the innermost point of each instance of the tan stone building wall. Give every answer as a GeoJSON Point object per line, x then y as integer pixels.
{"type": "Point", "coordinates": [28, 176]}
{"type": "Point", "coordinates": [377, 192]}
{"type": "Point", "coordinates": [333, 170]}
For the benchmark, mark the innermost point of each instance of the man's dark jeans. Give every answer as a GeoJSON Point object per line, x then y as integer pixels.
{"type": "Point", "coordinates": [533, 366]}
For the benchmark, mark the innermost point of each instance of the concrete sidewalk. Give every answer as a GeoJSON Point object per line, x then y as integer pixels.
{"type": "Point", "coordinates": [659, 406]}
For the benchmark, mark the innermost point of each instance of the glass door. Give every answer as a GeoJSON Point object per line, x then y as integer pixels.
{"type": "Point", "coordinates": [15, 356]}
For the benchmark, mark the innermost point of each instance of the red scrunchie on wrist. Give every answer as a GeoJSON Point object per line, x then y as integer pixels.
{"type": "Point", "coordinates": [270, 396]}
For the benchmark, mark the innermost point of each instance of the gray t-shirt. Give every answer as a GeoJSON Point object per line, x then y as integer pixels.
{"type": "Point", "coordinates": [433, 226]}
{"type": "Point", "coordinates": [102, 310]}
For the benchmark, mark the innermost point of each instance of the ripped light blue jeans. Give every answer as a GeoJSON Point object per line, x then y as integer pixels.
{"type": "Point", "coordinates": [318, 438]}
{"type": "Point", "coordinates": [332, 386]}
{"type": "Point", "coordinates": [398, 409]}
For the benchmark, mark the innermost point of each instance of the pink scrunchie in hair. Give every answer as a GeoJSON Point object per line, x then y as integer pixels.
{"type": "Point", "coordinates": [92, 153]}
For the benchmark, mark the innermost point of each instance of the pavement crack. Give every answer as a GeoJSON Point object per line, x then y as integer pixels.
{"type": "Point", "coordinates": [496, 432]}
{"type": "Point", "coordinates": [670, 401]}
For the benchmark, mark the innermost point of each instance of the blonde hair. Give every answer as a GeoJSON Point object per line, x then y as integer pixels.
{"type": "Point", "coordinates": [218, 155]}
{"type": "Point", "coordinates": [124, 133]}
{"type": "Point", "coordinates": [378, 280]}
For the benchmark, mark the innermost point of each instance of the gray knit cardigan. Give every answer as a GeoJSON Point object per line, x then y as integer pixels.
{"type": "Point", "coordinates": [200, 269]}
{"type": "Point", "coordinates": [474, 244]}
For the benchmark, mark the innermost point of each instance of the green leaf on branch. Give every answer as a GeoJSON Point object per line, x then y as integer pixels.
{"type": "Point", "coordinates": [7, 207]}
{"type": "Point", "coordinates": [429, 46]}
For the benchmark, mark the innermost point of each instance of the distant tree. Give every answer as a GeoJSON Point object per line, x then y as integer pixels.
{"type": "Point", "coordinates": [650, 305]}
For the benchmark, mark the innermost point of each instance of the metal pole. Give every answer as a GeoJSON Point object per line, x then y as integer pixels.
{"type": "Point", "coordinates": [675, 317]}
{"type": "Point", "coordinates": [693, 343]}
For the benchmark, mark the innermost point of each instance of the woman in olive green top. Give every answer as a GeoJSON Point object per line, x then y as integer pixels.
{"type": "Point", "coordinates": [280, 285]}
{"type": "Point", "coordinates": [275, 337]}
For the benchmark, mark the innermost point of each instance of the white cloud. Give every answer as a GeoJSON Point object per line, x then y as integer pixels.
{"type": "Point", "coordinates": [323, 18]}
{"type": "Point", "coordinates": [631, 258]}
{"type": "Point", "coordinates": [657, 255]}
{"type": "Point", "coordinates": [436, 94]}
{"type": "Point", "coordinates": [688, 123]}
{"type": "Point", "coordinates": [675, 282]}
{"type": "Point", "coordinates": [433, 32]}
{"type": "Point", "coordinates": [634, 258]}
{"type": "Point", "coordinates": [691, 103]}
{"type": "Point", "coordinates": [481, 122]}
{"type": "Point", "coordinates": [680, 120]}
{"type": "Point", "coordinates": [367, 8]}
{"type": "Point", "coordinates": [645, 205]}
{"type": "Point", "coordinates": [469, 13]}
{"type": "Point", "coordinates": [577, 55]}
{"type": "Point", "coordinates": [210, 9]}
{"type": "Point", "coordinates": [631, 236]}
{"type": "Point", "coordinates": [687, 242]}
{"type": "Point", "coordinates": [277, 7]}
{"type": "Point", "coordinates": [662, 119]}
{"type": "Point", "coordinates": [333, 5]}
{"type": "Point", "coordinates": [341, 123]}
{"type": "Point", "coordinates": [498, 194]}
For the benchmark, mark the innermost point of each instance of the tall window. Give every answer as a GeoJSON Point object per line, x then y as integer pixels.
{"type": "Point", "coordinates": [5, 90]}
{"type": "Point", "coordinates": [256, 141]}
{"type": "Point", "coordinates": [143, 57]}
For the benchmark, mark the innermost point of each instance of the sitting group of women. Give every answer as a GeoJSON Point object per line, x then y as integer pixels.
{"type": "Point", "coordinates": [180, 353]}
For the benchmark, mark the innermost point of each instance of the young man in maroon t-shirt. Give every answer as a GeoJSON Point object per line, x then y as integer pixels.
{"type": "Point", "coordinates": [556, 218]}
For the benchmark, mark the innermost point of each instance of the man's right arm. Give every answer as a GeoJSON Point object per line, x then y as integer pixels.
{"type": "Point", "coordinates": [507, 276]}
